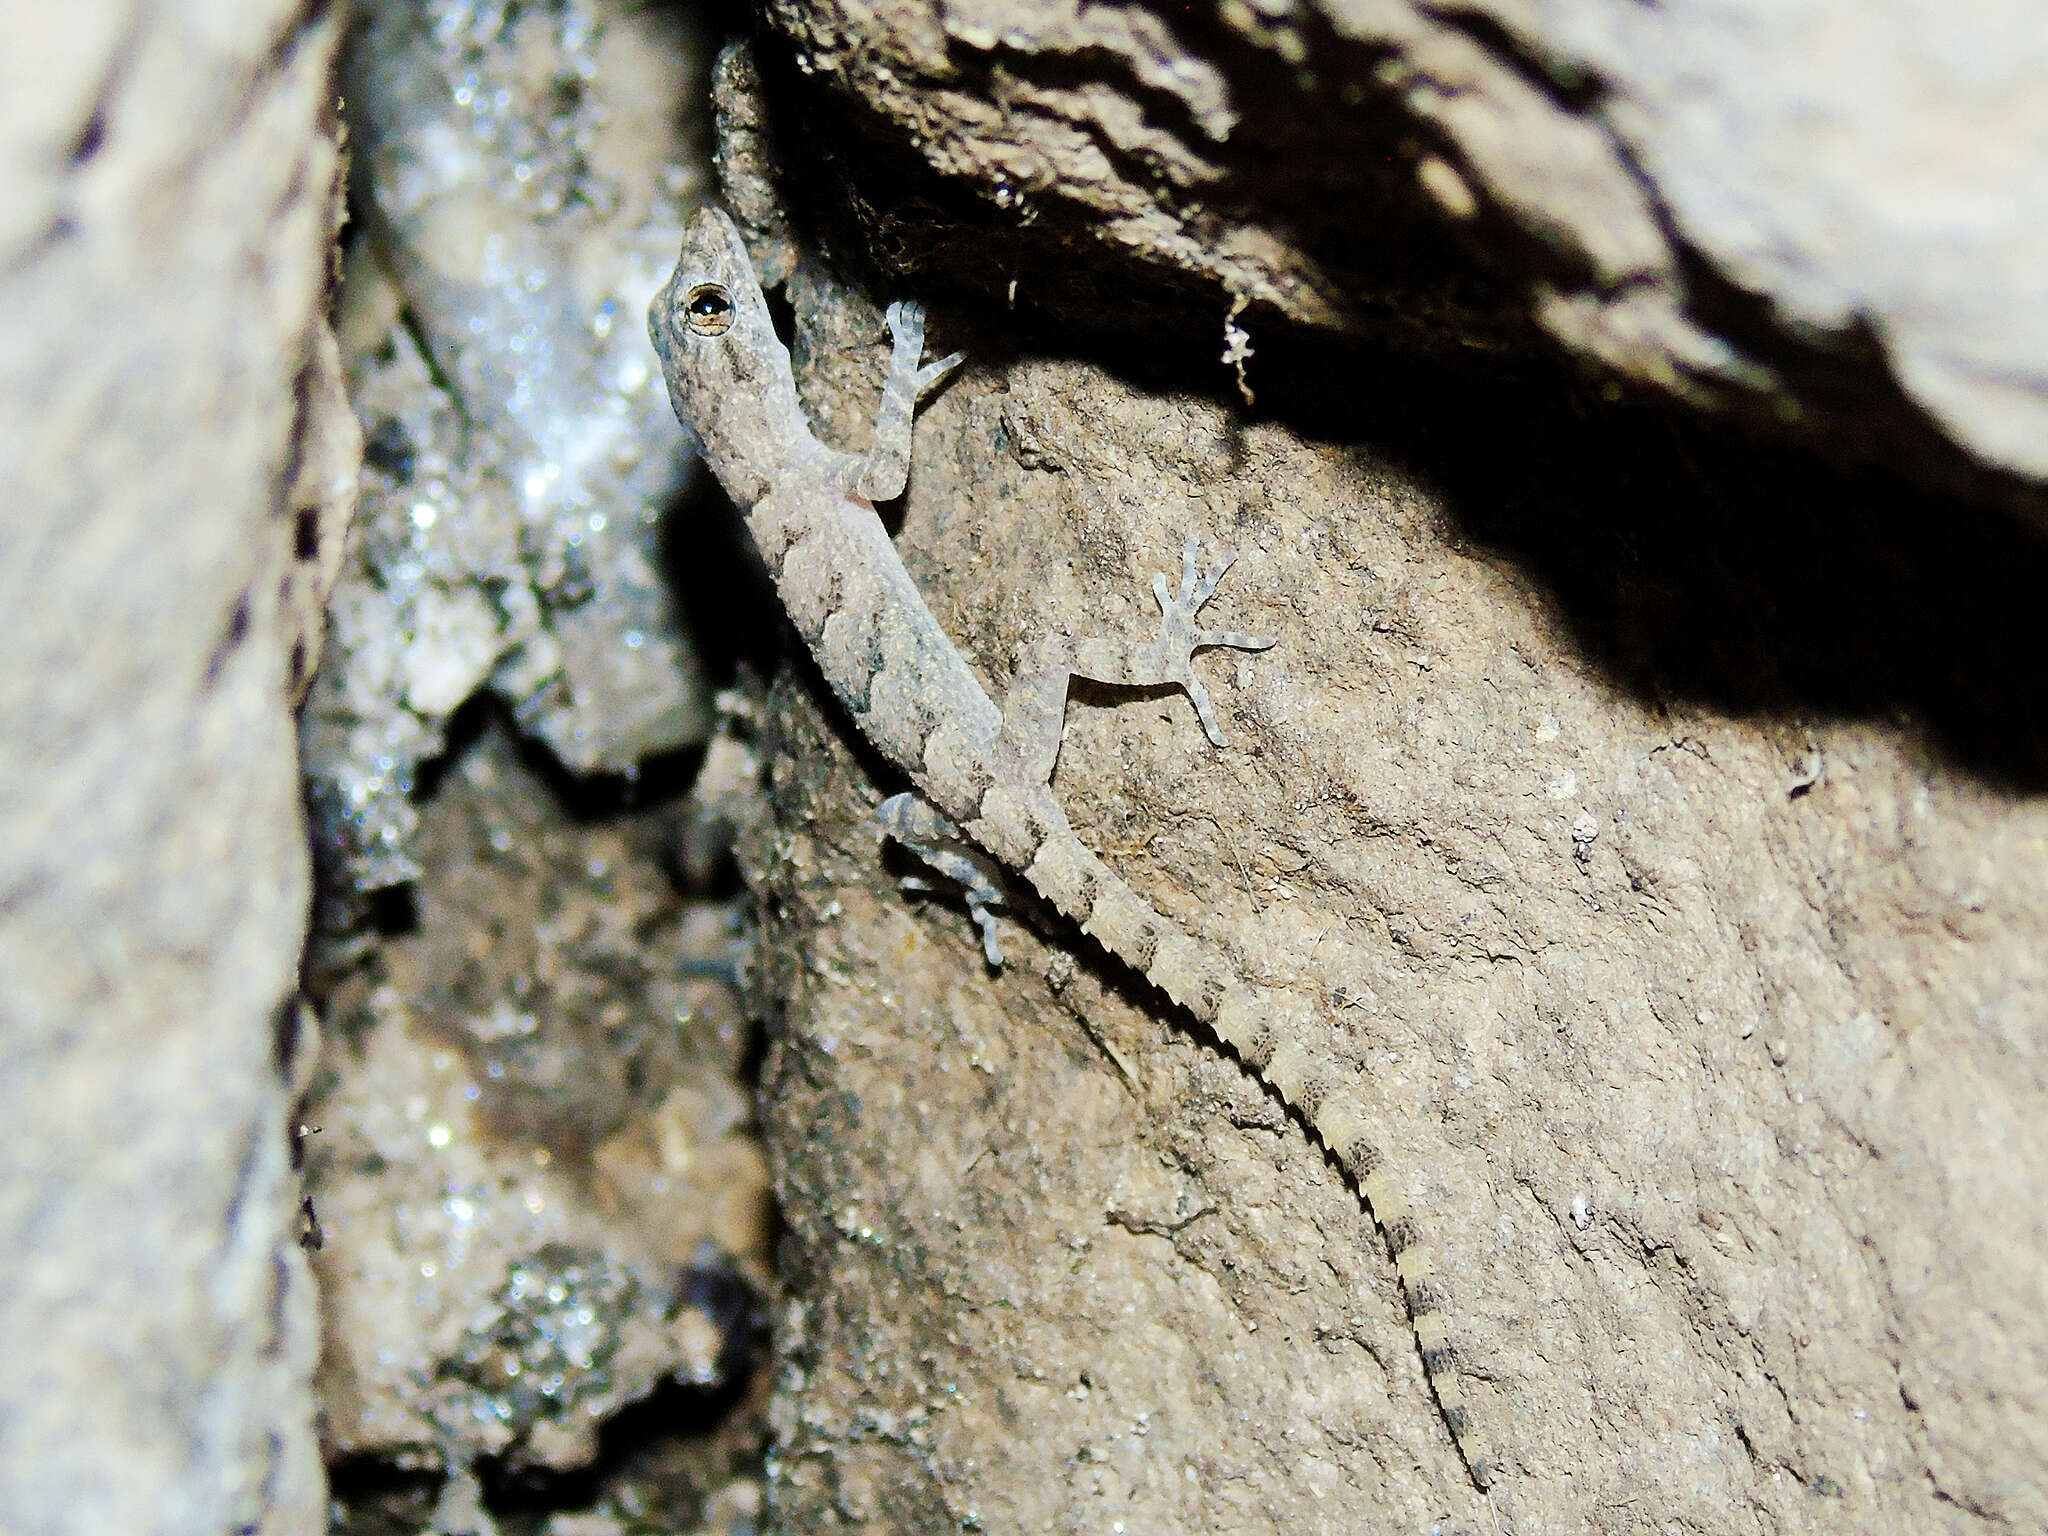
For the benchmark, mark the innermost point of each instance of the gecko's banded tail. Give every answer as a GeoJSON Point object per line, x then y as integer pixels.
{"type": "Point", "coordinates": [1069, 875]}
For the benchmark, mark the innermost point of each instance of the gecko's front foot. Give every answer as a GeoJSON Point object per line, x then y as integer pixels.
{"type": "Point", "coordinates": [881, 473]}
{"type": "Point", "coordinates": [1180, 636]}
{"type": "Point", "coordinates": [905, 320]}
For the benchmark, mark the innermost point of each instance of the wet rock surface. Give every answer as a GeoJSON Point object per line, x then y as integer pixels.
{"type": "Point", "coordinates": [539, 1187]}
{"type": "Point", "coordinates": [521, 174]}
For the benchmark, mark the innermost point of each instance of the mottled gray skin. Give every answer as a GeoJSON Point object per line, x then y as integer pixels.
{"type": "Point", "coordinates": [984, 774]}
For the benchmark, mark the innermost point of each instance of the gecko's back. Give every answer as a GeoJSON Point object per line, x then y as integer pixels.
{"type": "Point", "coordinates": [841, 581]}
{"type": "Point", "coordinates": [810, 509]}
{"type": "Point", "coordinates": [878, 645]}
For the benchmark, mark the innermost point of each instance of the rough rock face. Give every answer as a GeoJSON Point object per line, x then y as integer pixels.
{"type": "Point", "coordinates": [1657, 811]}
{"type": "Point", "coordinates": [1703, 1022]}
{"type": "Point", "coordinates": [175, 456]}
{"type": "Point", "coordinates": [1804, 209]}
{"type": "Point", "coordinates": [541, 1190]}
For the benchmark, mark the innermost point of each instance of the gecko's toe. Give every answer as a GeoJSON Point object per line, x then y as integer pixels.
{"type": "Point", "coordinates": [1206, 588]}
{"type": "Point", "coordinates": [1195, 588]}
{"type": "Point", "coordinates": [1190, 566]}
{"type": "Point", "coordinates": [931, 373]}
{"type": "Point", "coordinates": [905, 319]}
{"type": "Point", "coordinates": [1234, 641]}
{"type": "Point", "coordinates": [1205, 709]}
{"type": "Point", "coordinates": [991, 946]}
{"type": "Point", "coordinates": [1195, 592]}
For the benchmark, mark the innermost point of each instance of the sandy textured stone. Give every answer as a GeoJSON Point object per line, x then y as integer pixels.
{"type": "Point", "coordinates": [1810, 211]}
{"type": "Point", "coordinates": [164, 264]}
{"type": "Point", "coordinates": [1658, 818]}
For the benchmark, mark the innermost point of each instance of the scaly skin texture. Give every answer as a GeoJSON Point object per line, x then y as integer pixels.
{"type": "Point", "coordinates": [984, 774]}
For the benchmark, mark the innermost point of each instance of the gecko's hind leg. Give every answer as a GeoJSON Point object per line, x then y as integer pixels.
{"type": "Point", "coordinates": [912, 822]}
{"type": "Point", "coordinates": [881, 473]}
{"type": "Point", "coordinates": [1035, 708]}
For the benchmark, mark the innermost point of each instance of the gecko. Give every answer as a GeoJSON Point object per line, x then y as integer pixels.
{"type": "Point", "coordinates": [983, 774]}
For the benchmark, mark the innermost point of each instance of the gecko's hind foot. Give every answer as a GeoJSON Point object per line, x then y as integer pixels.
{"type": "Point", "coordinates": [921, 829]}
{"type": "Point", "coordinates": [1180, 636]}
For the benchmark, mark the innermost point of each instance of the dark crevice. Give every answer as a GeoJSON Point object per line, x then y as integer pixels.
{"type": "Point", "coordinates": [423, 343]}
{"type": "Point", "coordinates": [389, 449]}
{"type": "Point", "coordinates": [720, 583]}
{"type": "Point", "coordinates": [672, 1412]}
{"type": "Point", "coordinates": [390, 911]}
{"type": "Point", "coordinates": [783, 315]}
{"type": "Point", "coordinates": [660, 779]}
{"type": "Point", "coordinates": [231, 639]}
{"type": "Point", "coordinates": [373, 1496]}
{"type": "Point", "coordinates": [306, 533]}
{"type": "Point", "coordinates": [286, 478]}
{"type": "Point", "coordinates": [286, 1031]}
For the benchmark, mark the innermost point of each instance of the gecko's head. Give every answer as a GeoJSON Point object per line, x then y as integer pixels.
{"type": "Point", "coordinates": [711, 324]}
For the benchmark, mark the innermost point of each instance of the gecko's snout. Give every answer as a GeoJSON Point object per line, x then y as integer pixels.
{"type": "Point", "coordinates": [712, 244]}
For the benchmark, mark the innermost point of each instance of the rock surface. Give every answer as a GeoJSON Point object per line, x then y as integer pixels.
{"type": "Point", "coordinates": [1658, 815]}
{"type": "Point", "coordinates": [521, 173]}
{"type": "Point", "coordinates": [1658, 811]}
{"type": "Point", "coordinates": [1806, 210]}
{"type": "Point", "coordinates": [176, 459]}
{"type": "Point", "coordinates": [540, 1187]}
{"type": "Point", "coordinates": [538, 1179]}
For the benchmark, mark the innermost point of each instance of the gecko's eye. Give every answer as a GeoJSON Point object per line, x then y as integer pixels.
{"type": "Point", "coordinates": [708, 310]}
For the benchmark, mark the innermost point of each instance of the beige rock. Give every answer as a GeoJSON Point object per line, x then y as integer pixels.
{"type": "Point", "coordinates": [1820, 212]}
{"type": "Point", "coordinates": [164, 263]}
{"type": "Point", "coordinates": [1701, 1025]}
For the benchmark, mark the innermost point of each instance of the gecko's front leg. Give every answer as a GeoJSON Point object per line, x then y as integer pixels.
{"type": "Point", "coordinates": [881, 473]}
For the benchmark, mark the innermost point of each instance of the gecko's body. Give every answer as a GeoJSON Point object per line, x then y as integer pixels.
{"type": "Point", "coordinates": [986, 771]}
